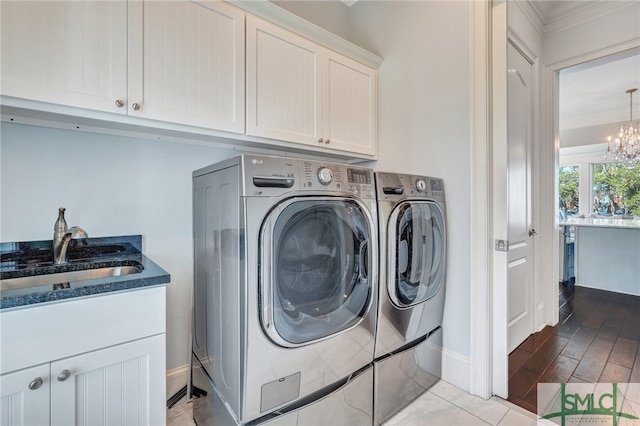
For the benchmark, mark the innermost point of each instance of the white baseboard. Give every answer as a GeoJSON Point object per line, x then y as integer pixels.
{"type": "Point", "coordinates": [456, 369]}
{"type": "Point", "coordinates": [176, 379]}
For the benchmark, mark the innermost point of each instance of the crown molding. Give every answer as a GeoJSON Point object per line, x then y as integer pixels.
{"type": "Point", "coordinates": [534, 13]}
{"type": "Point", "coordinates": [285, 19]}
{"type": "Point", "coordinates": [570, 14]}
{"type": "Point", "coordinates": [550, 17]}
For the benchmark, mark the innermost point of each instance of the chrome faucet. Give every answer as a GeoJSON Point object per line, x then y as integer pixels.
{"type": "Point", "coordinates": [62, 236]}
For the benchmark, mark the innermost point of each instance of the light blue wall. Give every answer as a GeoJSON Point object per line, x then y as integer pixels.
{"type": "Point", "coordinates": [115, 185]}
{"type": "Point", "coordinates": [110, 185]}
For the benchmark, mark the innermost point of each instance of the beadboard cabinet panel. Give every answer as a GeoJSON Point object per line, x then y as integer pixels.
{"type": "Point", "coordinates": [186, 63]}
{"type": "Point", "coordinates": [20, 405]}
{"type": "Point", "coordinates": [350, 105]}
{"type": "Point", "coordinates": [175, 61]}
{"type": "Point", "coordinates": [204, 71]}
{"type": "Point", "coordinates": [65, 52]}
{"type": "Point", "coordinates": [103, 362]}
{"type": "Point", "coordinates": [301, 92]}
{"type": "Point", "coordinates": [283, 84]}
{"type": "Point", "coordinates": [122, 384]}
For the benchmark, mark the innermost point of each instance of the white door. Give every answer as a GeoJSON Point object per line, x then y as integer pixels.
{"type": "Point", "coordinates": [122, 384]}
{"type": "Point", "coordinates": [24, 397]}
{"type": "Point", "coordinates": [186, 63]}
{"type": "Point", "coordinates": [519, 256]}
{"type": "Point", "coordinates": [350, 110]}
{"type": "Point", "coordinates": [284, 89]}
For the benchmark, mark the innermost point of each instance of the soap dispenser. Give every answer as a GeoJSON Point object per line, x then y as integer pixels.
{"type": "Point", "coordinates": [60, 227]}
{"type": "Point", "coordinates": [59, 231]}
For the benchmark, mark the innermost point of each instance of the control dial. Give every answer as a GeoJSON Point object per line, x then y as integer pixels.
{"type": "Point", "coordinates": [421, 185]}
{"type": "Point", "coordinates": [325, 176]}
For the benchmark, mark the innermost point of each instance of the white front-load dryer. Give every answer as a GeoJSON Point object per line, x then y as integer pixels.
{"type": "Point", "coordinates": [408, 348]}
{"type": "Point", "coordinates": [285, 291]}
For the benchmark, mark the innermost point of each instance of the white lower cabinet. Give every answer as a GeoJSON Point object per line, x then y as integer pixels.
{"type": "Point", "coordinates": [24, 397]}
{"type": "Point", "coordinates": [98, 360]}
{"type": "Point", "coordinates": [123, 384]}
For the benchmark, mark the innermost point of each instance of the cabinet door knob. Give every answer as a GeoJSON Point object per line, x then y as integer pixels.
{"type": "Point", "coordinates": [64, 375]}
{"type": "Point", "coordinates": [35, 383]}
{"type": "Point", "coordinates": [532, 232]}
{"type": "Point", "coordinates": [136, 106]}
{"type": "Point", "coordinates": [327, 141]}
{"type": "Point", "coordinates": [320, 140]}
{"type": "Point", "coordinates": [119, 103]}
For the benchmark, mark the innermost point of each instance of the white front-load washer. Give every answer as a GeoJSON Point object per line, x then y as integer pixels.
{"type": "Point", "coordinates": [408, 348]}
{"type": "Point", "coordinates": [285, 291]}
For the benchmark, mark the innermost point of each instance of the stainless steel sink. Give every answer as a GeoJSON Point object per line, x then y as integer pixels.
{"type": "Point", "coordinates": [70, 276]}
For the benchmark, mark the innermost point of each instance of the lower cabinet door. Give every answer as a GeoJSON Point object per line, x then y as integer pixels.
{"type": "Point", "coordinates": [123, 384]}
{"type": "Point", "coordinates": [24, 398]}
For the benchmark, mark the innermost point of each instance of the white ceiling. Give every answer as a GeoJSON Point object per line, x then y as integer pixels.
{"type": "Point", "coordinates": [593, 93]}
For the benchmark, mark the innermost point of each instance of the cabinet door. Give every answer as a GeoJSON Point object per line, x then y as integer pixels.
{"type": "Point", "coordinates": [24, 400]}
{"type": "Point", "coordinates": [123, 384]}
{"type": "Point", "coordinates": [186, 63]}
{"type": "Point", "coordinates": [284, 99]}
{"type": "Point", "coordinates": [65, 52]}
{"type": "Point", "coordinates": [350, 114]}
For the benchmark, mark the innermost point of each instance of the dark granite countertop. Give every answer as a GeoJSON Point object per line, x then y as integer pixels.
{"type": "Point", "coordinates": [35, 258]}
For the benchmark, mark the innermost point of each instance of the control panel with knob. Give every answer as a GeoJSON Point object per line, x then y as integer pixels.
{"type": "Point", "coordinates": [421, 185]}
{"type": "Point", "coordinates": [325, 176]}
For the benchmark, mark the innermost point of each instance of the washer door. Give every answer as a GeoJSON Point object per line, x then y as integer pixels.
{"type": "Point", "coordinates": [315, 262]}
{"type": "Point", "coordinates": [416, 252]}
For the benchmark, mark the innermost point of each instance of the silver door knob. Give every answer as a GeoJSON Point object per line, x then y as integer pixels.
{"type": "Point", "coordinates": [35, 383]}
{"type": "Point", "coordinates": [136, 106]}
{"type": "Point", "coordinates": [532, 232]}
{"type": "Point", "coordinates": [119, 103]}
{"type": "Point", "coordinates": [64, 375]}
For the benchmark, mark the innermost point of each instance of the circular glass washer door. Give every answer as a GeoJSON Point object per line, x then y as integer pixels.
{"type": "Point", "coordinates": [314, 271]}
{"type": "Point", "coordinates": [416, 252]}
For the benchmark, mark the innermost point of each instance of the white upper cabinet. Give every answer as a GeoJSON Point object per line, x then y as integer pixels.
{"type": "Point", "coordinates": [71, 53]}
{"type": "Point", "coordinates": [189, 70]}
{"type": "Point", "coordinates": [301, 92]}
{"type": "Point", "coordinates": [174, 61]}
{"type": "Point", "coordinates": [350, 107]}
{"type": "Point", "coordinates": [186, 63]}
{"type": "Point", "coordinates": [284, 89]}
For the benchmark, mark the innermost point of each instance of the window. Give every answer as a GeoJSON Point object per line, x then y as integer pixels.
{"type": "Point", "coordinates": [616, 189]}
{"type": "Point", "coordinates": [569, 189]}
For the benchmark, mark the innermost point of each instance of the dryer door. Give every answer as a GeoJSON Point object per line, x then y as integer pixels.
{"type": "Point", "coordinates": [314, 271]}
{"type": "Point", "coordinates": [416, 252]}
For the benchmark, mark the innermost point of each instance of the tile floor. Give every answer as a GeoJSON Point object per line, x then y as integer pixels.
{"type": "Point", "coordinates": [443, 404]}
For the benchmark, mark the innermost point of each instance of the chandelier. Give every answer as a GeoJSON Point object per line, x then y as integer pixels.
{"type": "Point", "coordinates": [626, 147]}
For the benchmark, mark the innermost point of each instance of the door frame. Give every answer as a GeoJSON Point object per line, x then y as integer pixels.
{"type": "Point", "coordinates": [488, 345]}
{"type": "Point", "coordinates": [489, 35]}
